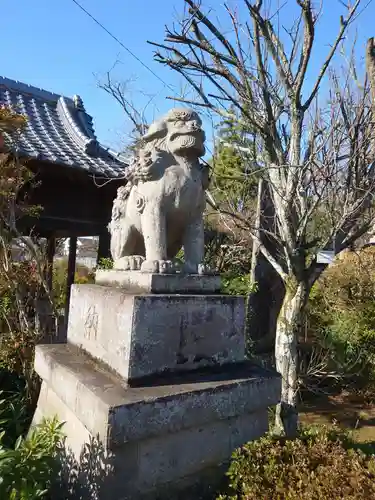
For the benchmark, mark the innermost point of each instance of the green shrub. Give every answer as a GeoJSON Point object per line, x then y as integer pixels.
{"type": "Point", "coordinates": [341, 315]}
{"type": "Point", "coordinates": [28, 469]}
{"type": "Point", "coordinates": [15, 416]}
{"type": "Point", "coordinates": [105, 263]}
{"type": "Point", "coordinates": [19, 291]}
{"type": "Point", "coordinates": [82, 275]}
{"type": "Point", "coordinates": [319, 465]}
{"type": "Point", "coordinates": [235, 284]}
{"type": "Point", "coordinates": [27, 464]}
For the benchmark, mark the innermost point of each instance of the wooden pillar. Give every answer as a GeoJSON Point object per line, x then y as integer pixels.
{"type": "Point", "coordinates": [44, 319]}
{"type": "Point", "coordinates": [71, 272]}
{"type": "Point", "coordinates": [51, 248]}
{"type": "Point", "coordinates": [104, 246]}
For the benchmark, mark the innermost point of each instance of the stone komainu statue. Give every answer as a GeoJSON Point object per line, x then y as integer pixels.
{"type": "Point", "coordinates": [160, 209]}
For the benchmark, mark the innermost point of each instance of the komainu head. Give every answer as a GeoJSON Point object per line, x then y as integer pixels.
{"type": "Point", "coordinates": [179, 132]}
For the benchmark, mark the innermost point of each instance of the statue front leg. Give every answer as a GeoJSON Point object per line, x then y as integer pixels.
{"type": "Point", "coordinates": [121, 237]}
{"type": "Point", "coordinates": [123, 245]}
{"type": "Point", "coordinates": [193, 246]}
{"type": "Point", "coordinates": [154, 232]}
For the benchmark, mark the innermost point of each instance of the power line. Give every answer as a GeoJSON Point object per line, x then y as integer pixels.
{"type": "Point", "coordinates": [114, 37]}
{"type": "Point", "coordinates": [122, 45]}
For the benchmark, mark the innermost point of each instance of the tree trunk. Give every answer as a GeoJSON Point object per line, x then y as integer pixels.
{"type": "Point", "coordinates": [289, 323]}
{"type": "Point", "coordinates": [256, 243]}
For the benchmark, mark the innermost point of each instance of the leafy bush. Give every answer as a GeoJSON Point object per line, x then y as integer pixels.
{"type": "Point", "coordinates": [319, 465]}
{"type": "Point", "coordinates": [15, 417]}
{"type": "Point", "coordinates": [60, 272]}
{"type": "Point", "coordinates": [27, 470]}
{"type": "Point", "coordinates": [27, 464]}
{"type": "Point", "coordinates": [234, 284]}
{"type": "Point", "coordinates": [22, 263]}
{"type": "Point", "coordinates": [9, 120]}
{"type": "Point", "coordinates": [105, 263]}
{"type": "Point", "coordinates": [20, 292]}
{"type": "Point", "coordinates": [341, 314]}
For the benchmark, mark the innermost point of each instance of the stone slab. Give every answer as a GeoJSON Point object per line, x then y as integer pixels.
{"type": "Point", "coordinates": [119, 414]}
{"type": "Point", "coordinates": [141, 469]}
{"type": "Point", "coordinates": [139, 335]}
{"type": "Point", "coordinates": [147, 437]}
{"type": "Point", "coordinates": [139, 282]}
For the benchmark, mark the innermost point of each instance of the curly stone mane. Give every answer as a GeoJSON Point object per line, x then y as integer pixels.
{"type": "Point", "coordinates": [155, 139]}
{"type": "Point", "coordinates": [158, 144]}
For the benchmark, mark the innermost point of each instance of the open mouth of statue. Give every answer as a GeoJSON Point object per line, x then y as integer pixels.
{"type": "Point", "coordinates": [187, 140]}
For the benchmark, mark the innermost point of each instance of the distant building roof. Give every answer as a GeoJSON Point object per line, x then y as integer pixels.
{"type": "Point", "coordinates": [58, 130]}
{"type": "Point", "coordinates": [325, 257]}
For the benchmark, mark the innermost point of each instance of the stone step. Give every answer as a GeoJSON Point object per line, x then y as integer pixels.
{"type": "Point", "coordinates": [96, 395]}
{"type": "Point", "coordinates": [170, 430]}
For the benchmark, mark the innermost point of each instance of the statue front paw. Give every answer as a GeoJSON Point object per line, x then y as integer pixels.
{"type": "Point", "coordinates": [201, 269]}
{"type": "Point", "coordinates": [157, 266]}
{"type": "Point", "coordinates": [150, 266]}
{"type": "Point", "coordinates": [204, 269]}
{"type": "Point", "coordinates": [166, 267]}
{"type": "Point", "coordinates": [129, 263]}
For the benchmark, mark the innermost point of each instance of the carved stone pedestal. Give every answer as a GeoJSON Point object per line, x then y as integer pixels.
{"type": "Point", "coordinates": [153, 388]}
{"type": "Point", "coordinates": [140, 335]}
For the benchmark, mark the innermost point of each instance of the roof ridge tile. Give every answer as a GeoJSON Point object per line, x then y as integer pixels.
{"type": "Point", "coordinates": [31, 90]}
{"type": "Point", "coordinates": [65, 122]}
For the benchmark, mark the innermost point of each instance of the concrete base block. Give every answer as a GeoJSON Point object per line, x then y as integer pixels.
{"type": "Point", "coordinates": [137, 282]}
{"type": "Point", "coordinates": [139, 335]}
{"type": "Point", "coordinates": [140, 439]}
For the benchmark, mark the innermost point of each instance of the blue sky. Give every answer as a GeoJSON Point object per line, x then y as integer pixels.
{"type": "Point", "coordinates": [54, 45]}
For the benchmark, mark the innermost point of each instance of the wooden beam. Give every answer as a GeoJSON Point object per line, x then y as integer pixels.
{"type": "Point", "coordinates": [104, 246]}
{"type": "Point", "coordinates": [71, 271]}
{"type": "Point", "coordinates": [62, 228]}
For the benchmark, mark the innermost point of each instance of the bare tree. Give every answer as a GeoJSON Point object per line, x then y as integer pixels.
{"type": "Point", "coordinates": [313, 153]}
{"type": "Point", "coordinates": [120, 90]}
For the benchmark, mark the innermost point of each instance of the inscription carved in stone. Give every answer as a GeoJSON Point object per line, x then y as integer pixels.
{"type": "Point", "coordinates": [91, 323]}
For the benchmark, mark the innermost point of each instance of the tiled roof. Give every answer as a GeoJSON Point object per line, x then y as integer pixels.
{"type": "Point", "coordinates": [58, 130]}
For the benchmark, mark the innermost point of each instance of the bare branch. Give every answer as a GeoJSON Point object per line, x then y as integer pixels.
{"type": "Point", "coordinates": [274, 46]}
{"type": "Point", "coordinates": [118, 91]}
{"type": "Point", "coordinates": [344, 24]}
{"type": "Point", "coordinates": [308, 40]}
